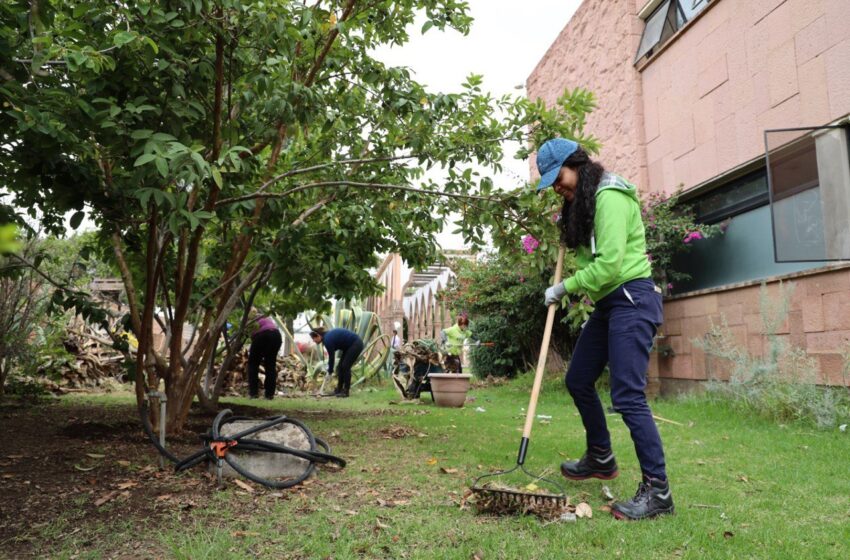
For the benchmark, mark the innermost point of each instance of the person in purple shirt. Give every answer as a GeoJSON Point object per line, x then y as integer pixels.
{"type": "Point", "coordinates": [349, 344]}
{"type": "Point", "coordinates": [265, 344]}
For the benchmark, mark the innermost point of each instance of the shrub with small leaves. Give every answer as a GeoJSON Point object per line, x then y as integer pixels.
{"type": "Point", "coordinates": [781, 384]}
{"type": "Point", "coordinates": [505, 304]}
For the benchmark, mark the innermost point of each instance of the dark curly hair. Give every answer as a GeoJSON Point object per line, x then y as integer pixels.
{"type": "Point", "coordinates": [577, 216]}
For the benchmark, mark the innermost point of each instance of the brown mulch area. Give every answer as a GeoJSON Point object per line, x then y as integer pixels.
{"type": "Point", "coordinates": [67, 471]}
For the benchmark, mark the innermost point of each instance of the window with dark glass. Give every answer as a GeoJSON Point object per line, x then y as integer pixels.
{"type": "Point", "coordinates": [744, 252]}
{"type": "Point", "coordinates": [733, 198]}
{"type": "Point", "coordinates": [793, 215]}
{"type": "Point", "coordinates": [664, 22]}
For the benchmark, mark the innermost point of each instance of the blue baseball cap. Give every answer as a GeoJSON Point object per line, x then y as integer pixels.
{"type": "Point", "coordinates": [550, 157]}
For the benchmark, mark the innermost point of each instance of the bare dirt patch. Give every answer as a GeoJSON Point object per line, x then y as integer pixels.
{"type": "Point", "coordinates": [71, 471]}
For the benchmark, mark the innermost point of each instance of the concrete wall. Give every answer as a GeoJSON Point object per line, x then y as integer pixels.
{"type": "Point", "coordinates": [742, 67]}
{"type": "Point", "coordinates": [595, 51]}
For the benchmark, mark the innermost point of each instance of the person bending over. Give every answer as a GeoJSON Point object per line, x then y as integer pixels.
{"type": "Point", "coordinates": [265, 344]}
{"type": "Point", "coordinates": [351, 347]}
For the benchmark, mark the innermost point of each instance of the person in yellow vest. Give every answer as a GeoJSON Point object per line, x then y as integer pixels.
{"type": "Point", "coordinates": [453, 339]}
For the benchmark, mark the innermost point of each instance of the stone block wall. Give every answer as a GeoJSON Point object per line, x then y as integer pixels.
{"type": "Point", "coordinates": [818, 322]}
{"type": "Point", "coordinates": [742, 67]}
{"type": "Point", "coordinates": [595, 51]}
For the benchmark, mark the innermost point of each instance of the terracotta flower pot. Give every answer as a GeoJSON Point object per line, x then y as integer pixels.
{"type": "Point", "coordinates": [449, 389]}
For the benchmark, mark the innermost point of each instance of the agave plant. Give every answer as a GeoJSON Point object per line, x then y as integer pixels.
{"type": "Point", "coordinates": [376, 345]}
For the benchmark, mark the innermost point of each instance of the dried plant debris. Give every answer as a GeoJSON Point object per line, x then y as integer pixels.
{"type": "Point", "coordinates": [397, 432]}
{"type": "Point", "coordinates": [498, 499]}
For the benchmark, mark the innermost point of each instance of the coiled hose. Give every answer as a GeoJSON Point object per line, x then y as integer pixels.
{"type": "Point", "coordinates": [216, 447]}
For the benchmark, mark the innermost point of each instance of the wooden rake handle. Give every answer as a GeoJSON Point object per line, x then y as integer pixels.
{"type": "Point", "coordinates": [541, 364]}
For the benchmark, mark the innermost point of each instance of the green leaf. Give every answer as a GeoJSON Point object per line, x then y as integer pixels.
{"type": "Point", "coordinates": [193, 221]}
{"type": "Point", "coordinates": [76, 219]}
{"type": "Point", "coordinates": [123, 37]}
{"type": "Point", "coordinates": [141, 134]}
{"type": "Point", "coordinates": [143, 159]}
{"type": "Point", "coordinates": [149, 42]}
{"type": "Point", "coordinates": [216, 175]}
{"type": "Point", "coordinates": [162, 167]}
{"type": "Point", "coordinates": [144, 196]}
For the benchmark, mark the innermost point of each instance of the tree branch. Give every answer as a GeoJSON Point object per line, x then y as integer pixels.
{"type": "Point", "coordinates": [375, 186]}
{"type": "Point", "coordinates": [51, 281]}
{"type": "Point", "coordinates": [315, 208]}
{"type": "Point", "coordinates": [129, 287]}
{"type": "Point", "coordinates": [332, 35]}
{"type": "Point", "coordinates": [317, 167]}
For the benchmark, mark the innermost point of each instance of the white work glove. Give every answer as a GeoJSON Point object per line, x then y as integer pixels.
{"type": "Point", "coordinates": [554, 294]}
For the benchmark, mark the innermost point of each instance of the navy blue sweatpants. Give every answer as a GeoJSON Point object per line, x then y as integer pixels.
{"type": "Point", "coordinates": [619, 333]}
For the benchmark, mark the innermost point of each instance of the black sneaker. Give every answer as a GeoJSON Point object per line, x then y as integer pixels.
{"type": "Point", "coordinates": [653, 498]}
{"type": "Point", "coordinates": [593, 464]}
{"type": "Point", "coordinates": [342, 395]}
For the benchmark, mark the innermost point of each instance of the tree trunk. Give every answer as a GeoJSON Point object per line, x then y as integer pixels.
{"type": "Point", "coordinates": [3, 372]}
{"type": "Point", "coordinates": [289, 322]}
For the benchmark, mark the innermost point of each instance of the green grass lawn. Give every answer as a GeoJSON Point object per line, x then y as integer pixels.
{"type": "Point", "coordinates": [743, 488]}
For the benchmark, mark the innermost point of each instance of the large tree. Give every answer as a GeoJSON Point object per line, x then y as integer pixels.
{"type": "Point", "coordinates": [223, 146]}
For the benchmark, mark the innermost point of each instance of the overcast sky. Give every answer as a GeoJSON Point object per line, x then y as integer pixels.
{"type": "Point", "coordinates": [507, 40]}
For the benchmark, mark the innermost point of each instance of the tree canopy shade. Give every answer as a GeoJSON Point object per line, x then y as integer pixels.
{"type": "Point", "coordinates": [224, 146]}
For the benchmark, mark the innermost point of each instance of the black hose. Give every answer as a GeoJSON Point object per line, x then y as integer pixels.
{"type": "Point", "coordinates": [312, 455]}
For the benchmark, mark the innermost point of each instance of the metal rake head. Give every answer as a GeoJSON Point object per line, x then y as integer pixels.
{"type": "Point", "coordinates": [495, 498]}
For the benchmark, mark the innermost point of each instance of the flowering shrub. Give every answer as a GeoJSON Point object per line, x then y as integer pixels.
{"type": "Point", "coordinates": [505, 306]}
{"type": "Point", "coordinates": [529, 243]}
{"type": "Point", "coordinates": [670, 230]}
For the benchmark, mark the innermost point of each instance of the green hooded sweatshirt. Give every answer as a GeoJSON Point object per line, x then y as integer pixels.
{"type": "Point", "coordinates": [620, 242]}
{"type": "Point", "coordinates": [455, 337]}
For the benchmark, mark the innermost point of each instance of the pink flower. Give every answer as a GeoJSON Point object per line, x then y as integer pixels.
{"type": "Point", "coordinates": [692, 236]}
{"type": "Point", "coordinates": [529, 243]}
{"type": "Point", "coordinates": [556, 217]}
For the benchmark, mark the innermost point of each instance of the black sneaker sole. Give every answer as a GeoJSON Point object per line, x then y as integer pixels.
{"type": "Point", "coordinates": [623, 517]}
{"type": "Point", "coordinates": [600, 476]}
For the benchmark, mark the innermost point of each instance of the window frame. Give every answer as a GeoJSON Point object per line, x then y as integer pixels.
{"type": "Point", "coordinates": [730, 211]}
{"type": "Point", "coordinates": [680, 23]}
